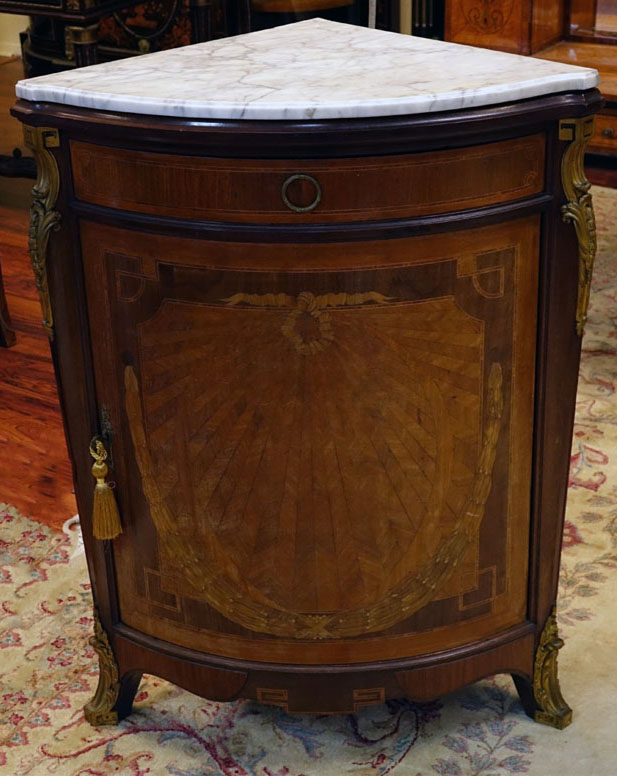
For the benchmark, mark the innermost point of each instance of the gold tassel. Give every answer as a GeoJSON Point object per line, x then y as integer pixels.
{"type": "Point", "coordinates": [105, 517]}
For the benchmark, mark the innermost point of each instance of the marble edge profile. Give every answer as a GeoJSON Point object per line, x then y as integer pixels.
{"type": "Point", "coordinates": [220, 109]}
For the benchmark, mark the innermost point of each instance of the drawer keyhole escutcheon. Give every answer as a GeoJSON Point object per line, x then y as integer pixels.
{"type": "Point", "coordinates": [299, 208]}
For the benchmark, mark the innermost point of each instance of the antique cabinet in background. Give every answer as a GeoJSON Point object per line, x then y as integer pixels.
{"type": "Point", "coordinates": [519, 26]}
{"type": "Point", "coordinates": [580, 32]}
{"type": "Point", "coordinates": [64, 37]}
{"type": "Point", "coordinates": [64, 34]}
{"type": "Point", "coordinates": [332, 358]}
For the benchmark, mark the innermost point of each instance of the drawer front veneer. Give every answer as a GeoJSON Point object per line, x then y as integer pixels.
{"type": "Point", "coordinates": [305, 191]}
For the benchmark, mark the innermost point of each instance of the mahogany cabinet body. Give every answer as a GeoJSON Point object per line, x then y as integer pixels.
{"type": "Point", "coordinates": [338, 406]}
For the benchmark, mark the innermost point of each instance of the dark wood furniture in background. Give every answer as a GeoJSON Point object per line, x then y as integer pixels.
{"type": "Point", "coordinates": [334, 364]}
{"type": "Point", "coordinates": [70, 35]}
{"type": "Point", "coordinates": [63, 34]}
{"type": "Point", "coordinates": [270, 13]}
{"type": "Point", "coordinates": [76, 19]}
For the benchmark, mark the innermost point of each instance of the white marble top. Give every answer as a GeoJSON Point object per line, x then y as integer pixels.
{"type": "Point", "coordinates": [313, 69]}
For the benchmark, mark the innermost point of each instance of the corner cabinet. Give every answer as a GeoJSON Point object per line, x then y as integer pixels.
{"type": "Point", "coordinates": [332, 365]}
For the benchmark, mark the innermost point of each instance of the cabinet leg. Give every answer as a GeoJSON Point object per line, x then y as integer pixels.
{"type": "Point", "coordinates": [542, 698]}
{"type": "Point", "coordinates": [524, 687]}
{"type": "Point", "coordinates": [113, 698]}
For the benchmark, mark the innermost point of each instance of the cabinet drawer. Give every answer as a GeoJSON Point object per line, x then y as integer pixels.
{"type": "Point", "coordinates": [305, 191]}
{"type": "Point", "coordinates": [605, 137]}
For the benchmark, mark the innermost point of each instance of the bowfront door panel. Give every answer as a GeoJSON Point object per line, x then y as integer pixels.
{"type": "Point", "coordinates": [322, 453]}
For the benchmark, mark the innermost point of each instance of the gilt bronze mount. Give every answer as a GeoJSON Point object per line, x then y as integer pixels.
{"type": "Point", "coordinates": [579, 208]}
{"type": "Point", "coordinates": [553, 710]}
{"type": "Point", "coordinates": [43, 218]}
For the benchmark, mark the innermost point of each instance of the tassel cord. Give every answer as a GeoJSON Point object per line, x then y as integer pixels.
{"type": "Point", "coordinates": [105, 516]}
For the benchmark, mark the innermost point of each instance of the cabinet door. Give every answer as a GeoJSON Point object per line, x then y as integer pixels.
{"type": "Point", "coordinates": [321, 452]}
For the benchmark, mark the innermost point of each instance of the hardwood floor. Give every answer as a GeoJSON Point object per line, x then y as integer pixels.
{"type": "Point", "coordinates": [35, 473]}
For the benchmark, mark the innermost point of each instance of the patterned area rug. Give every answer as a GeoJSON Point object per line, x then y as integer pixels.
{"type": "Point", "coordinates": [48, 670]}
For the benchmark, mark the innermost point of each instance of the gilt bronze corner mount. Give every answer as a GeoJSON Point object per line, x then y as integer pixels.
{"type": "Point", "coordinates": [552, 708]}
{"type": "Point", "coordinates": [100, 710]}
{"type": "Point", "coordinates": [43, 218]}
{"type": "Point", "coordinates": [579, 208]}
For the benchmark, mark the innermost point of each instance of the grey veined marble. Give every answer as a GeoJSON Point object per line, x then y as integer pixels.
{"type": "Point", "coordinates": [314, 69]}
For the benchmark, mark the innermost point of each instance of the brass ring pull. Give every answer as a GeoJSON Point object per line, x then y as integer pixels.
{"type": "Point", "coordinates": [297, 208]}
{"type": "Point", "coordinates": [608, 132]}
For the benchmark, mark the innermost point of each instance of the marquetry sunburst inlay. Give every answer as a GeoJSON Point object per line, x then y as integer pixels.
{"type": "Point", "coordinates": [318, 465]}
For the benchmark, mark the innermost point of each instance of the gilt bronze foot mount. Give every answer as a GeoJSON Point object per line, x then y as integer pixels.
{"type": "Point", "coordinates": [113, 698]}
{"type": "Point", "coordinates": [541, 697]}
